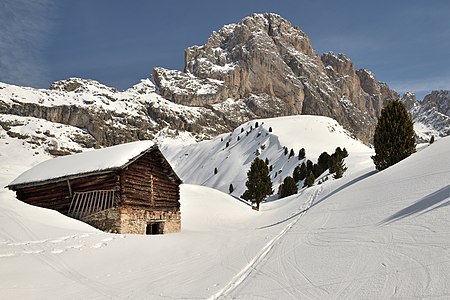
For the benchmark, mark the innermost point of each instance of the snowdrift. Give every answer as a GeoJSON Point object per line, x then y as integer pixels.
{"type": "Point", "coordinates": [368, 235]}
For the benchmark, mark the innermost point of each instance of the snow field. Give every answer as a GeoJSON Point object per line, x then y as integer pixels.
{"type": "Point", "coordinates": [369, 235]}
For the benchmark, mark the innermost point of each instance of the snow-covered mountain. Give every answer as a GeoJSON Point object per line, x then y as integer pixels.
{"type": "Point", "coordinates": [431, 116]}
{"type": "Point", "coordinates": [231, 154]}
{"type": "Point", "coordinates": [367, 235]}
{"type": "Point", "coordinates": [269, 68]}
{"type": "Point", "coordinates": [106, 115]}
{"type": "Point", "coordinates": [262, 67]}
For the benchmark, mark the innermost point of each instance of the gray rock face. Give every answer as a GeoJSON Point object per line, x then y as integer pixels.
{"type": "Point", "coordinates": [109, 116]}
{"type": "Point", "coordinates": [262, 67]}
{"type": "Point", "coordinates": [272, 67]}
{"type": "Point", "coordinates": [431, 116]}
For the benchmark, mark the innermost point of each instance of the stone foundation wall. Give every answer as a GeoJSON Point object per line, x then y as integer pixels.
{"type": "Point", "coordinates": [107, 220]}
{"type": "Point", "coordinates": [134, 221]}
{"type": "Point", "coordinates": [128, 220]}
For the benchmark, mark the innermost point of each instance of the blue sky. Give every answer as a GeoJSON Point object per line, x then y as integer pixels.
{"type": "Point", "coordinates": [404, 42]}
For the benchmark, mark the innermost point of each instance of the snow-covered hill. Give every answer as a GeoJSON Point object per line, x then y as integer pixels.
{"type": "Point", "coordinates": [196, 163]}
{"type": "Point", "coordinates": [370, 234]}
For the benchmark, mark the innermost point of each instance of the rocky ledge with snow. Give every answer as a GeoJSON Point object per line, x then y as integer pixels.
{"type": "Point", "coordinates": [431, 116]}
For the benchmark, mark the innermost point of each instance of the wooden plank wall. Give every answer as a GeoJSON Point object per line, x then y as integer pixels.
{"type": "Point", "coordinates": [56, 195]}
{"type": "Point", "coordinates": [146, 183]}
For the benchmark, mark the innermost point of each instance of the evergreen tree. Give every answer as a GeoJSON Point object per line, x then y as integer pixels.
{"type": "Point", "coordinates": [394, 138]}
{"type": "Point", "coordinates": [258, 182]}
{"type": "Point", "coordinates": [227, 144]}
{"type": "Point", "coordinates": [309, 166]}
{"type": "Point", "coordinates": [231, 188]}
{"type": "Point", "coordinates": [288, 187]}
{"type": "Point", "coordinates": [344, 153]}
{"type": "Point", "coordinates": [432, 139]}
{"type": "Point", "coordinates": [301, 154]}
{"type": "Point", "coordinates": [296, 174]}
{"type": "Point", "coordinates": [285, 150]}
{"type": "Point", "coordinates": [242, 129]}
{"type": "Point", "coordinates": [332, 162]}
{"type": "Point", "coordinates": [340, 168]}
{"type": "Point", "coordinates": [256, 125]}
{"type": "Point", "coordinates": [317, 170]}
{"type": "Point", "coordinates": [270, 129]}
{"type": "Point", "coordinates": [291, 153]}
{"type": "Point", "coordinates": [267, 161]}
{"type": "Point", "coordinates": [215, 171]}
{"type": "Point", "coordinates": [323, 161]}
{"type": "Point", "coordinates": [309, 180]}
{"type": "Point", "coordinates": [302, 172]}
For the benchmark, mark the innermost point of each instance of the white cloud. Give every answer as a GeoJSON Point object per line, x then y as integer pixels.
{"type": "Point", "coordinates": [24, 30]}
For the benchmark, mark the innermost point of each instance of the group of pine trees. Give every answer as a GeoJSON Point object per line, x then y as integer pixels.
{"type": "Point", "coordinates": [394, 140]}
{"type": "Point", "coordinates": [259, 184]}
{"type": "Point", "coordinates": [309, 171]}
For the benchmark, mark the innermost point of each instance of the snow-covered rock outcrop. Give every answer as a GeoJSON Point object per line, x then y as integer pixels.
{"type": "Point", "coordinates": [431, 116]}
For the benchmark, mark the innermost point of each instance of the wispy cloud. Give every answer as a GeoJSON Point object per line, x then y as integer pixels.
{"type": "Point", "coordinates": [24, 30]}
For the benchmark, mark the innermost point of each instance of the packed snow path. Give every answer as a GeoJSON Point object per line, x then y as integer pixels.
{"type": "Point", "coordinates": [260, 257]}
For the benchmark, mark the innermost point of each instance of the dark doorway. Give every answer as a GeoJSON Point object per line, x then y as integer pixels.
{"type": "Point", "coordinates": [155, 228]}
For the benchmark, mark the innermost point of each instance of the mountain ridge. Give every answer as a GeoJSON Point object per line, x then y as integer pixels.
{"type": "Point", "coordinates": [262, 67]}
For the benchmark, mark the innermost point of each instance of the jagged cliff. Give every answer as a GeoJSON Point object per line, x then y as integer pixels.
{"type": "Point", "coordinates": [271, 67]}
{"type": "Point", "coordinates": [431, 116]}
{"type": "Point", "coordinates": [260, 68]}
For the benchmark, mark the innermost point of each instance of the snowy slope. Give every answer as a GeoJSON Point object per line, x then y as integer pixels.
{"type": "Point", "coordinates": [374, 236]}
{"type": "Point", "coordinates": [195, 163]}
{"type": "Point", "coordinates": [368, 235]}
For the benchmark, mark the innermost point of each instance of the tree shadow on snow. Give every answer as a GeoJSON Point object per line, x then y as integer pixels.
{"type": "Point", "coordinates": [423, 205]}
{"type": "Point", "coordinates": [344, 186]}
{"type": "Point", "coordinates": [350, 183]}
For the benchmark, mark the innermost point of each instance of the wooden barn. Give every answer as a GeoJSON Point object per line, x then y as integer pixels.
{"type": "Point", "coordinates": [128, 188]}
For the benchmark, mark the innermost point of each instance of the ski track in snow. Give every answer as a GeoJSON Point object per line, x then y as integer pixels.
{"type": "Point", "coordinates": [54, 246]}
{"type": "Point", "coordinates": [258, 260]}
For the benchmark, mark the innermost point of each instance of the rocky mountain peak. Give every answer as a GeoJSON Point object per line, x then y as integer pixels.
{"type": "Point", "coordinates": [410, 101]}
{"type": "Point", "coordinates": [271, 69]}
{"type": "Point", "coordinates": [440, 100]}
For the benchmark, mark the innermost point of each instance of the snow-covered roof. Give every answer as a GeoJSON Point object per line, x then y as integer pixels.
{"type": "Point", "coordinates": [93, 161]}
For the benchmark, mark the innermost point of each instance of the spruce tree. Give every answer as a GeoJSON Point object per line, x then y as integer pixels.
{"type": "Point", "coordinates": [302, 172]}
{"type": "Point", "coordinates": [301, 154]}
{"type": "Point", "coordinates": [258, 182]}
{"type": "Point", "coordinates": [317, 170]}
{"type": "Point", "coordinates": [309, 180]}
{"type": "Point", "coordinates": [309, 166]}
{"type": "Point", "coordinates": [291, 153]}
{"type": "Point", "coordinates": [394, 138]}
{"type": "Point", "coordinates": [323, 160]}
{"type": "Point", "coordinates": [296, 174]}
{"type": "Point", "coordinates": [231, 188]}
{"type": "Point", "coordinates": [340, 168]}
{"type": "Point", "coordinates": [288, 187]}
